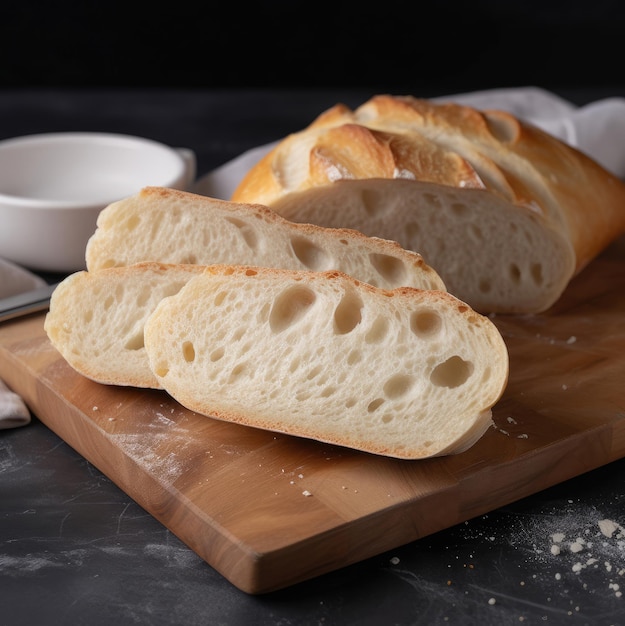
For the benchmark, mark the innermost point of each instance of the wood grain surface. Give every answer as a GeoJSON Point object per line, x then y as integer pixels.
{"type": "Point", "coordinates": [268, 510]}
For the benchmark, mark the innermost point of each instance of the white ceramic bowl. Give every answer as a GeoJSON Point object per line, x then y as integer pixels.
{"type": "Point", "coordinates": [54, 185]}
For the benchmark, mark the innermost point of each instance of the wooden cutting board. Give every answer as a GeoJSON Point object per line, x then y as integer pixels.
{"type": "Point", "coordinates": [269, 510]}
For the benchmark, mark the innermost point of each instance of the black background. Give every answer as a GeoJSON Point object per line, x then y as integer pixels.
{"type": "Point", "coordinates": [416, 47]}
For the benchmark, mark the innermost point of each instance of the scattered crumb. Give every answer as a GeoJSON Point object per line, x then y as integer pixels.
{"type": "Point", "coordinates": [394, 560]}
{"type": "Point", "coordinates": [492, 601]}
{"type": "Point", "coordinates": [306, 493]}
{"type": "Point", "coordinates": [608, 527]}
{"type": "Point", "coordinates": [571, 339]}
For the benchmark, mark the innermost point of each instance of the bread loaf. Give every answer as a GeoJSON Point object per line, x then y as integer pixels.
{"type": "Point", "coordinates": [504, 212]}
{"type": "Point", "coordinates": [170, 226]}
{"type": "Point", "coordinates": [405, 373]}
{"type": "Point", "coordinates": [96, 319]}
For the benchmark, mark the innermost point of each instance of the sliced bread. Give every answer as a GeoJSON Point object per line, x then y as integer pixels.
{"type": "Point", "coordinates": [170, 226]}
{"type": "Point", "coordinates": [405, 373]}
{"type": "Point", "coordinates": [96, 319]}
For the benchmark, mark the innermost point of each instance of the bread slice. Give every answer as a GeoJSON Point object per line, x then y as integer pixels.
{"type": "Point", "coordinates": [405, 373]}
{"type": "Point", "coordinates": [505, 213]}
{"type": "Point", "coordinates": [170, 226]}
{"type": "Point", "coordinates": [96, 319]}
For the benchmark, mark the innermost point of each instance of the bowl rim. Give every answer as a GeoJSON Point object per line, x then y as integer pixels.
{"type": "Point", "coordinates": [80, 137]}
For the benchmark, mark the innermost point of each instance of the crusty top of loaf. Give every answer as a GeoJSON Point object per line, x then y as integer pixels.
{"type": "Point", "coordinates": [405, 137]}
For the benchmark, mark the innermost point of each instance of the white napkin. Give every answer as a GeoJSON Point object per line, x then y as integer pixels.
{"type": "Point", "coordinates": [13, 411]}
{"type": "Point", "coordinates": [598, 129]}
{"type": "Point", "coordinates": [13, 280]}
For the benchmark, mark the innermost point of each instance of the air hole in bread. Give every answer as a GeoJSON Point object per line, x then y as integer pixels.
{"type": "Point", "coordinates": [135, 342]}
{"type": "Point", "coordinates": [328, 391]}
{"type": "Point", "coordinates": [397, 386]}
{"type": "Point", "coordinates": [238, 371]}
{"type": "Point", "coordinates": [454, 372]}
{"type": "Point", "coordinates": [109, 302]}
{"type": "Point", "coordinates": [246, 231]}
{"type": "Point", "coordinates": [347, 314]}
{"type": "Point", "coordinates": [188, 351]}
{"type": "Point", "coordinates": [475, 232]}
{"type": "Point", "coordinates": [302, 396]}
{"type": "Point", "coordinates": [132, 222]}
{"type": "Point", "coordinates": [425, 323]}
{"type": "Point", "coordinates": [378, 331]}
{"type": "Point", "coordinates": [390, 268]}
{"type": "Point", "coordinates": [459, 208]}
{"type": "Point", "coordinates": [350, 402]}
{"type": "Point", "coordinates": [220, 298]}
{"type": "Point", "coordinates": [88, 315]}
{"type": "Point", "coordinates": [374, 405]}
{"type": "Point", "coordinates": [515, 273]}
{"type": "Point", "coordinates": [432, 199]}
{"type": "Point", "coordinates": [314, 372]}
{"type": "Point", "coordinates": [290, 307]}
{"type": "Point", "coordinates": [263, 313]}
{"type": "Point", "coordinates": [217, 354]}
{"type": "Point", "coordinates": [373, 202]}
{"type": "Point", "coordinates": [537, 273]}
{"type": "Point", "coordinates": [354, 357]}
{"type": "Point", "coordinates": [161, 370]}
{"type": "Point", "coordinates": [311, 255]}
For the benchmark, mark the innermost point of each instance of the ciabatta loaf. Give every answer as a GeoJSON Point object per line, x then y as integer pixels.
{"type": "Point", "coordinates": [170, 226]}
{"type": "Point", "coordinates": [406, 373]}
{"type": "Point", "coordinates": [505, 213]}
{"type": "Point", "coordinates": [96, 319]}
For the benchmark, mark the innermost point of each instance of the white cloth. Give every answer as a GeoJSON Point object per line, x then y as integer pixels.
{"type": "Point", "coordinates": [13, 280]}
{"type": "Point", "coordinates": [598, 129]}
{"type": "Point", "coordinates": [13, 410]}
